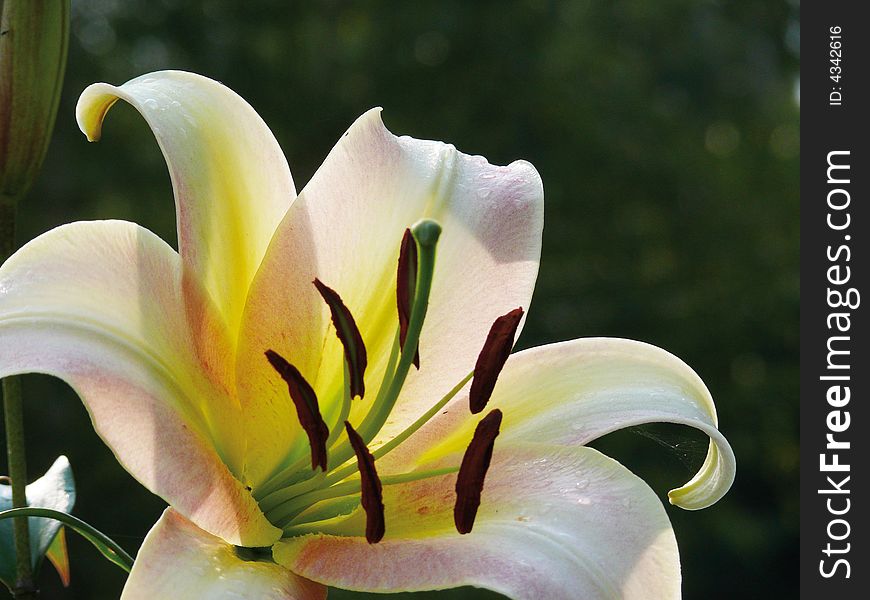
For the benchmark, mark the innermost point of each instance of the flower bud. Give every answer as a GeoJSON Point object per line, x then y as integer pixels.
{"type": "Point", "coordinates": [33, 46]}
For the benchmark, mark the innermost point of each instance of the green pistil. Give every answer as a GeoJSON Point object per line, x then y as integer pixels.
{"type": "Point", "coordinates": [284, 514]}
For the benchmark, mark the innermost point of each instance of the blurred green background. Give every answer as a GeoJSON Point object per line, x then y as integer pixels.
{"type": "Point", "coordinates": [667, 136]}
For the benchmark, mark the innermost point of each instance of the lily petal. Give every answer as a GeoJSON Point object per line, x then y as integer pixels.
{"type": "Point", "coordinates": [346, 229]}
{"type": "Point", "coordinates": [574, 392]}
{"type": "Point", "coordinates": [180, 561]}
{"type": "Point", "coordinates": [231, 181]}
{"type": "Point", "coordinates": [99, 305]}
{"type": "Point", "coordinates": [554, 522]}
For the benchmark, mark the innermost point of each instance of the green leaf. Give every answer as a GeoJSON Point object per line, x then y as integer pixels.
{"type": "Point", "coordinates": [106, 545]}
{"type": "Point", "coordinates": [54, 490]}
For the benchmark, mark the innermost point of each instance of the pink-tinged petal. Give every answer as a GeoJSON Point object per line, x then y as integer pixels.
{"type": "Point", "coordinates": [554, 522]}
{"type": "Point", "coordinates": [99, 305]}
{"type": "Point", "coordinates": [230, 178]}
{"type": "Point", "coordinates": [346, 229]}
{"type": "Point", "coordinates": [574, 392]}
{"type": "Point", "coordinates": [180, 561]}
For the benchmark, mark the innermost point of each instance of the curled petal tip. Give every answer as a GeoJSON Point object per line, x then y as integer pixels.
{"type": "Point", "coordinates": [712, 481]}
{"type": "Point", "coordinates": [92, 107]}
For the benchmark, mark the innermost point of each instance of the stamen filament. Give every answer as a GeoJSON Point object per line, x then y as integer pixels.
{"type": "Point", "coordinates": [273, 500]}
{"type": "Point", "coordinates": [343, 473]}
{"type": "Point", "coordinates": [345, 409]}
{"type": "Point", "coordinates": [425, 418]}
{"type": "Point", "coordinates": [294, 474]}
{"type": "Point", "coordinates": [328, 509]}
{"type": "Point", "coordinates": [348, 488]}
{"type": "Point", "coordinates": [276, 498]}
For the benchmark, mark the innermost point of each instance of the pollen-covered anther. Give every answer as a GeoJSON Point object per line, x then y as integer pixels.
{"type": "Point", "coordinates": [491, 360]}
{"type": "Point", "coordinates": [370, 484]}
{"type": "Point", "coordinates": [307, 408]}
{"type": "Point", "coordinates": [349, 336]}
{"type": "Point", "coordinates": [472, 471]}
{"type": "Point", "coordinates": [406, 282]}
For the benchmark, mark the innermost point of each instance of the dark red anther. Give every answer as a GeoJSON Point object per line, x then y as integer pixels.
{"type": "Point", "coordinates": [370, 484]}
{"type": "Point", "coordinates": [475, 463]}
{"type": "Point", "coordinates": [406, 283]}
{"type": "Point", "coordinates": [307, 409]}
{"type": "Point", "coordinates": [492, 357]}
{"type": "Point", "coordinates": [349, 335]}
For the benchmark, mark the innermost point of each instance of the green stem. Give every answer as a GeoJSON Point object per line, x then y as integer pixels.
{"type": "Point", "coordinates": [13, 412]}
{"type": "Point", "coordinates": [17, 460]}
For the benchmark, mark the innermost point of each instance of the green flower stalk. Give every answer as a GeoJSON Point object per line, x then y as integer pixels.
{"type": "Point", "coordinates": [33, 46]}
